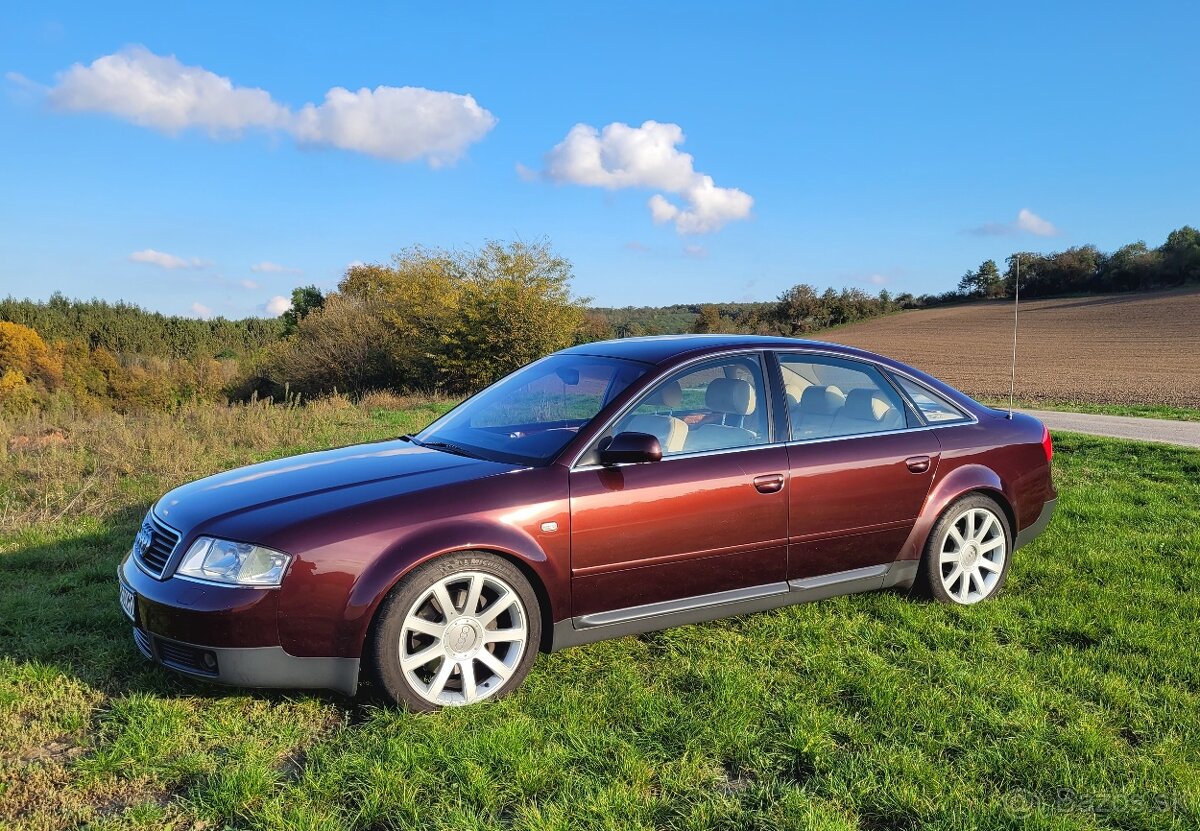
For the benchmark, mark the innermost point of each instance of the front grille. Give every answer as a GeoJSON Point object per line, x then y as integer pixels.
{"type": "Point", "coordinates": [154, 544]}
{"type": "Point", "coordinates": [182, 656]}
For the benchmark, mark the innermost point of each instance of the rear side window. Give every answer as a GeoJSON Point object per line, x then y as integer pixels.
{"type": "Point", "coordinates": [830, 397]}
{"type": "Point", "coordinates": [933, 408]}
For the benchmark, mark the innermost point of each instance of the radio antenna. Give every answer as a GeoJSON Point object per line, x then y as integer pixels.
{"type": "Point", "coordinates": [1012, 384]}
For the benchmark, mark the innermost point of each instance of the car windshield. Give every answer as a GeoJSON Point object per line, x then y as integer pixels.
{"type": "Point", "coordinates": [531, 415]}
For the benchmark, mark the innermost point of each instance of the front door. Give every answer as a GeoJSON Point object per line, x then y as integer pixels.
{"type": "Point", "coordinates": [711, 516]}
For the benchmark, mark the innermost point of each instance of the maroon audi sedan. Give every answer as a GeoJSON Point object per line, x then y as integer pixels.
{"type": "Point", "coordinates": [607, 489]}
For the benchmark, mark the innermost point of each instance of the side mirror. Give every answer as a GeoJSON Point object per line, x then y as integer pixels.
{"type": "Point", "coordinates": [631, 448]}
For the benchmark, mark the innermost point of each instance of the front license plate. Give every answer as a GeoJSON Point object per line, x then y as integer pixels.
{"type": "Point", "coordinates": [128, 601]}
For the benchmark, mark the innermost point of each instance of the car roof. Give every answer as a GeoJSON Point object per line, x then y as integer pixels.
{"type": "Point", "coordinates": [670, 349]}
{"type": "Point", "coordinates": [657, 349]}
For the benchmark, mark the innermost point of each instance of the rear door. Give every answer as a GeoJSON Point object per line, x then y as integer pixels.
{"type": "Point", "coordinates": [861, 465]}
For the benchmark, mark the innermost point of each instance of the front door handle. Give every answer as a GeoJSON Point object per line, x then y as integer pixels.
{"type": "Point", "coordinates": [917, 464]}
{"type": "Point", "coordinates": [770, 483]}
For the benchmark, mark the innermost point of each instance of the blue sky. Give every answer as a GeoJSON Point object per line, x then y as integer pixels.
{"type": "Point", "coordinates": [870, 144]}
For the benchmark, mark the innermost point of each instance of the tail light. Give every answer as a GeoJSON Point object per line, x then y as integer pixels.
{"type": "Point", "coordinates": [1047, 445]}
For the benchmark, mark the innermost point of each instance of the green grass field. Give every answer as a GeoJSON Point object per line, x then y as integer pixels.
{"type": "Point", "coordinates": [1136, 410]}
{"type": "Point", "coordinates": [1072, 701]}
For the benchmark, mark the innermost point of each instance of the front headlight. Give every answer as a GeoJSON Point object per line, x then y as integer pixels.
{"type": "Point", "coordinates": [233, 563]}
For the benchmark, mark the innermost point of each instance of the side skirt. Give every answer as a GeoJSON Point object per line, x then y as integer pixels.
{"type": "Point", "coordinates": [634, 620]}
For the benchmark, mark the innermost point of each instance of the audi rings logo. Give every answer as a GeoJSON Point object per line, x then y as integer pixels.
{"type": "Point", "coordinates": [142, 541]}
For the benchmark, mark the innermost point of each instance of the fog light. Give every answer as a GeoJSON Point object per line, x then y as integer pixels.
{"type": "Point", "coordinates": [209, 660]}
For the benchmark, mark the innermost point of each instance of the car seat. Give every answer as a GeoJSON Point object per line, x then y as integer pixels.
{"type": "Point", "coordinates": [813, 418]}
{"type": "Point", "coordinates": [866, 411]}
{"type": "Point", "coordinates": [670, 431]}
{"type": "Point", "coordinates": [729, 397]}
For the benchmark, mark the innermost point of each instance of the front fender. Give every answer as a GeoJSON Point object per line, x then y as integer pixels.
{"type": "Point", "coordinates": [450, 535]}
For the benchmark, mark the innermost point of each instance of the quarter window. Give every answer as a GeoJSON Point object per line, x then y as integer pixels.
{"type": "Point", "coordinates": [933, 408]}
{"type": "Point", "coordinates": [830, 397]}
{"type": "Point", "coordinates": [719, 405]}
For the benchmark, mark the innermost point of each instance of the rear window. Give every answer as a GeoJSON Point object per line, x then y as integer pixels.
{"type": "Point", "coordinates": [933, 408]}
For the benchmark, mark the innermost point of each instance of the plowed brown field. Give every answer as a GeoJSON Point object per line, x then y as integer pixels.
{"type": "Point", "coordinates": [1108, 349]}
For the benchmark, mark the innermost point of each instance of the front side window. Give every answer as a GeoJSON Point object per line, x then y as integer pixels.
{"type": "Point", "coordinates": [717, 405]}
{"type": "Point", "coordinates": [531, 415]}
{"type": "Point", "coordinates": [933, 408]}
{"type": "Point", "coordinates": [830, 397]}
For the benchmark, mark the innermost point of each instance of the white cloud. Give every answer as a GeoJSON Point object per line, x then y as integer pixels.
{"type": "Point", "coordinates": [160, 92]}
{"type": "Point", "coordinates": [249, 285]}
{"type": "Point", "coordinates": [268, 267]}
{"type": "Point", "coordinates": [201, 311]}
{"type": "Point", "coordinates": [164, 260]}
{"type": "Point", "coordinates": [878, 279]}
{"type": "Point", "coordinates": [277, 305]}
{"type": "Point", "coordinates": [621, 156]}
{"type": "Point", "coordinates": [1027, 222]}
{"type": "Point", "coordinates": [399, 123]}
{"type": "Point", "coordinates": [695, 252]}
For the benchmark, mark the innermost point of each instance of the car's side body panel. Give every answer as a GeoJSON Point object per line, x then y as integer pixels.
{"type": "Point", "coordinates": [689, 525]}
{"type": "Point", "coordinates": [855, 500]}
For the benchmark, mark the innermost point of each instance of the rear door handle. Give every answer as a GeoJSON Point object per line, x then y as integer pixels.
{"type": "Point", "coordinates": [770, 483]}
{"type": "Point", "coordinates": [917, 464]}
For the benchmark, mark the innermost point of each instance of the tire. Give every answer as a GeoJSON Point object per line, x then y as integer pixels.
{"type": "Point", "coordinates": [978, 526]}
{"type": "Point", "coordinates": [425, 659]}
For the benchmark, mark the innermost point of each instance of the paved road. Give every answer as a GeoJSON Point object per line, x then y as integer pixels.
{"type": "Point", "coordinates": [1186, 433]}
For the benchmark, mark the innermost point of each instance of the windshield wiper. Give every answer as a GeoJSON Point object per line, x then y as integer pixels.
{"type": "Point", "coordinates": [449, 448]}
{"type": "Point", "coordinates": [410, 437]}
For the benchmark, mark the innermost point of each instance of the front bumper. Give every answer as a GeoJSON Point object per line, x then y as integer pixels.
{"type": "Point", "coordinates": [1031, 533]}
{"type": "Point", "coordinates": [255, 666]}
{"type": "Point", "coordinates": [224, 634]}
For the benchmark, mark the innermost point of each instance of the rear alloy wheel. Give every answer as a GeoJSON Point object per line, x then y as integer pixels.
{"type": "Point", "coordinates": [967, 556]}
{"type": "Point", "coordinates": [458, 630]}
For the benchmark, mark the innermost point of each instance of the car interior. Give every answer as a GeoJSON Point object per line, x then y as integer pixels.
{"type": "Point", "coordinates": [832, 399]}
{"type": "Point", "coordinates": [719, 405]}
{"type": "Point", "coordinates": [715, 407]}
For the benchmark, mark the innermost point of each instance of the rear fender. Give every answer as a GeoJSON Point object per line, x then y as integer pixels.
{"type": "Point", "coordinates": [958, 482]}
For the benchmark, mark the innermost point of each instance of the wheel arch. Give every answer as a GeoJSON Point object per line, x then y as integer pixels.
{"type": "Point", "coordinates": [957, 484]}
{"type": "Point", "coordinates": [403, 557]}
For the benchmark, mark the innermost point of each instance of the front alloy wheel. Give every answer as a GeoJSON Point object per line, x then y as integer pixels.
{"type": "Point", "coordinates": [967, 556]}
{"type": "Point", "coordinates": [458, 630]}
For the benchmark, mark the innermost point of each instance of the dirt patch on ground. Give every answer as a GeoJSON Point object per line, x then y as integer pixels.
{"type": "Point", "coordinates": [1107, 349]}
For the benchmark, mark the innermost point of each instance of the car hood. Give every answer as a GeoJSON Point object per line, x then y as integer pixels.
{"type": "Point", "coordinates": [385, 469]}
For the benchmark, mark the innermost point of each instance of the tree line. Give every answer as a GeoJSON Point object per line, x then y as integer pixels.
{"type": "Point", "coordinates": [1085, 269]}
{"type": "Point", "coordinates": [452, 320]}
{"type": "Point", "coordinates": [124, 328]}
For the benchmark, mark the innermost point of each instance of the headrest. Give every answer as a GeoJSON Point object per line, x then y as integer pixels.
{"type": "Point", "coordinates": [821, 400]}
{"type": "Point", "coordinates": [793, 390]}
{"type": "Point", "coordinates": [866, 405]}
{"type": "Point", "coordinates": [669, 394]}
{"type": "Point", "coordinates": [730, 395]}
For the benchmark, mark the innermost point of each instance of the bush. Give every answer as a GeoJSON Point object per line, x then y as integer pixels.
{"type": "Point", "coordinates": [434, 319]}
{"type": "Point", "coordinates": [344, 345]}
